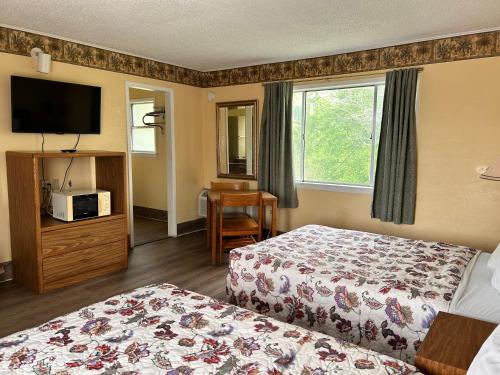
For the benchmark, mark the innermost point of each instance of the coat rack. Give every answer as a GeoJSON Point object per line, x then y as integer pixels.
{"type": "Point", "coordinates": [160, 112]}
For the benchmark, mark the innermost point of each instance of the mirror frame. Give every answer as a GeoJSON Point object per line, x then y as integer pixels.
{"type": "Point", "coordinates": [255, 112]}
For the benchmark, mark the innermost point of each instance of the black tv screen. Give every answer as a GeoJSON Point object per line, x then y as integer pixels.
{"type": "Point", "coordinates": [43, 106]}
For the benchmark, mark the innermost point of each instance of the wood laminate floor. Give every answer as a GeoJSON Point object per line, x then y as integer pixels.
{"type": "Point", "coordinates": [183, 261]}
{"type": "Point", "coordinates": [149, 230]}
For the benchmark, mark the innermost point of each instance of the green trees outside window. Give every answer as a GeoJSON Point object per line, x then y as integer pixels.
{"type": "Point", "coordinates": [335, 134]}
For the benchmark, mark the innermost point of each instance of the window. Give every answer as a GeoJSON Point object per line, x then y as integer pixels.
{"type": "Point", "coordinates": [335, 135]}
{"type": "Point", "coordinates": [143, 136]}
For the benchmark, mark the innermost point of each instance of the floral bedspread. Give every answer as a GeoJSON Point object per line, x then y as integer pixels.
{"type": "Point", "coordinates": [166, 330]}
{"type": "Point", "coordinates": [380, 292]}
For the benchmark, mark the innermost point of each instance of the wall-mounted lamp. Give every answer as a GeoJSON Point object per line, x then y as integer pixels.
{"type": "Point", "coordinates": [493, 172]}
{"type": "Point", "coordinates": [43, 60]}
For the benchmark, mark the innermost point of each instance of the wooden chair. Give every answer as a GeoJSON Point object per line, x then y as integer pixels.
{"type": "Point", "coordinates": [225, 186]}
{"type": "Point", "coordinates": [239, 229]}
{"type": "Point", "coordinates": [236, 186]}
{"type": "Point", "coordinates": [233, 186]}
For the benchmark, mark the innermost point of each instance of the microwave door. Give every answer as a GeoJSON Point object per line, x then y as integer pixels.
{"type": "Point", "coordinates": [85, 206]}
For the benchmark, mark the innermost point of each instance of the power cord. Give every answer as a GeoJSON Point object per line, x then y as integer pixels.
{"type": "Point", "coordinates": [77, 141]}
{"type": "Point", "coordinates": [47, 194]}
{"type": "Point", "coordinates": [66, 174]}
{"type": "Point", "coordinates": [48, 207]}
{"type": "Point", "coordinates": [69, 165]}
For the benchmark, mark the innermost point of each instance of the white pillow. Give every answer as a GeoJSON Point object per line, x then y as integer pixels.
{"type": "Point", "coordinates": [487, 360]}
{"type": "Point", "coordinates": [494, 258]}
{"type": "Point", "coordinates": [495, 279]}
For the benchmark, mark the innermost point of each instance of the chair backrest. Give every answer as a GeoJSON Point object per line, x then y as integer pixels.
{"type": "Point", "coordinates": [236, 186]}
{"type": "Point", "coordinates": [242, 200]}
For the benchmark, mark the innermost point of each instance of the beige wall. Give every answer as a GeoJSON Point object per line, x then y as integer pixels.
{"type": "Point", "coordinates": [149, 172]}
{"type": "Point", "coordinates": [113, 135]}
{"type": "Point", "coordinates": [458, 130]}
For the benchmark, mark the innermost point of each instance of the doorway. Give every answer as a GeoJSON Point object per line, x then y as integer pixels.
{"type": "Point", "coordinates": [151, 163]}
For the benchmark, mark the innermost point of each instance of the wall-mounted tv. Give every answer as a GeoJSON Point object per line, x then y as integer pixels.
{"type": "Point", "coordinates": [43, 106]}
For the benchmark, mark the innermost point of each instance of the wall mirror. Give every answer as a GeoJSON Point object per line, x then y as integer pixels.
{"type": "Point", "coordinates": [237, 139]}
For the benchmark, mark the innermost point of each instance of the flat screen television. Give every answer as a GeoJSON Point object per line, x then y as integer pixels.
{"type": "Point", "coordinates": [43, 106]}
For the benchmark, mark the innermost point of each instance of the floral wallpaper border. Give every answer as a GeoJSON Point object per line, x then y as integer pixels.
{"type": "Point", "coordinates": [21, 43]}
{"type": "Point", "coordinates": [462, 47]}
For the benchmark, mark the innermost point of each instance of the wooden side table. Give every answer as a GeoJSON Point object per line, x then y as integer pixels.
{"type": "Point", "coordinates": [451, 344]}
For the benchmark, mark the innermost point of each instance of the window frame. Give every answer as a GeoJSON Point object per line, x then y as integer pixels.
{"type": "Point", "coordinates": [374, 82]}
{"type": "Point", "coordinates": [132, 127]}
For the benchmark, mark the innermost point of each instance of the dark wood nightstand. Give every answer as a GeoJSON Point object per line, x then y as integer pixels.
{"type": "Point", "coordinates": [451, 344]}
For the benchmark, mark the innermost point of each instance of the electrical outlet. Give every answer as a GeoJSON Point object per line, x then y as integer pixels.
{"type": "Point", "coordinates": [51, 184]}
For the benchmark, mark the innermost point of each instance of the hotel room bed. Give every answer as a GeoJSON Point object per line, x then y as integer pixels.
{"type": "Point", "coordinates": [380, 292]}
{"type": "Point", "coordinates": [476, 297]}
{"type": "Point", "coordinates": [167, 330]}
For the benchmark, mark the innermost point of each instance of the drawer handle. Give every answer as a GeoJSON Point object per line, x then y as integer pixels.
{"type": "Point", "coordinates": [85, 235]}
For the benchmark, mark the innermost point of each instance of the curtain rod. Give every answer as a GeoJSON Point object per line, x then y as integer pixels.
{"type": "Point", "coordinates": [349, 75]}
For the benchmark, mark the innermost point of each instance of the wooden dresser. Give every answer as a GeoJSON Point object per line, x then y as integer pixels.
{"type": "Point", "coordinates": [451, 344]}
{"type": "Point", "coordinates": [47, 253]}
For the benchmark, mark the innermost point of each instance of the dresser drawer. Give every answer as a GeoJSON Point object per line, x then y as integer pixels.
{"type": "Point", "coordinates": [66, 240]}
{"type": "Point", "coordinates": [79, 262]}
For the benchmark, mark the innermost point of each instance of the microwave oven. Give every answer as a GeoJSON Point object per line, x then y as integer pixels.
{"type": "Point", "coordinates": [80, 204]}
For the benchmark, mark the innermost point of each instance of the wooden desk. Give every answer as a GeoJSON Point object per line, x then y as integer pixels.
{"type": "Point", "coordinates": [213, 201]}
{"type": "Point", "coordinates": [451, 344]}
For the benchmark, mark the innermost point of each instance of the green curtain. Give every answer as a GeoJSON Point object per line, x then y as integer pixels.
{"type": "Point", "coordinates": [394, 193]}
{"type": "Point", "coordinates": [275, 172]}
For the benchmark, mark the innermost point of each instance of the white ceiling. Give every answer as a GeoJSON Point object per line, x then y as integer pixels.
{"type": "Point", "coordinates": [217, 34]}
